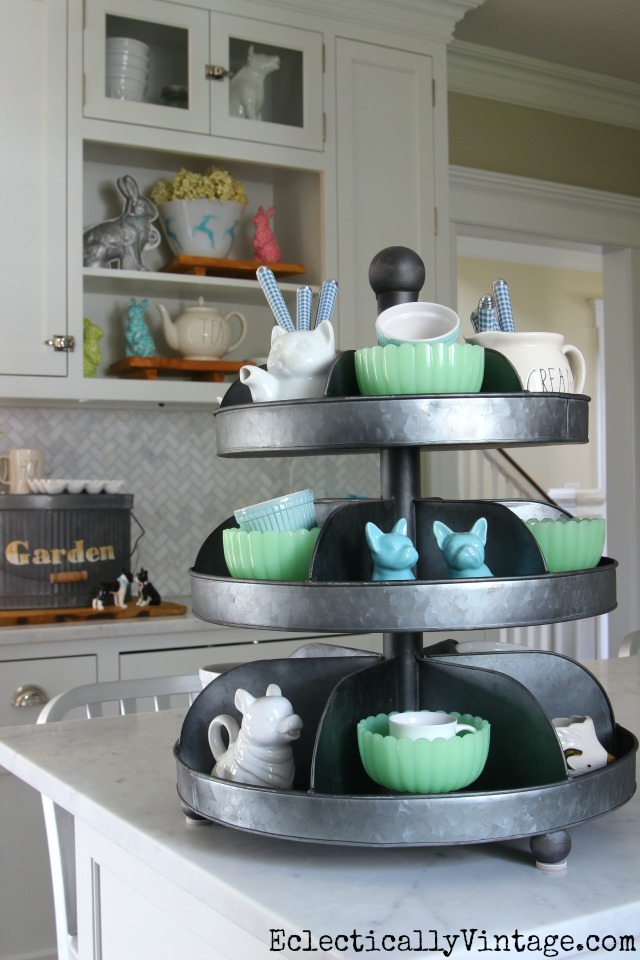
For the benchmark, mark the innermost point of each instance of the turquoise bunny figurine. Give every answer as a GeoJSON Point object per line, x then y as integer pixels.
{"type": "Point", "coordinates": [393, 553]}
{"type": "Point", "coordinates": [463, 552]}
{"type": "Point", "coordinates": [139, 342]}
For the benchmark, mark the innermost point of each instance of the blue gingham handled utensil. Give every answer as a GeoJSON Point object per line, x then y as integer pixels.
{"type": "Point", "coordinates": [326, 301]}
{"type": "Point", "coordinates": [271, 291]}
{"type": "Point", "coordinates": [503, 306]}
{"type": "Point", "coordinates": [303, 308]}
{"type": "Point", "coordinates": [487, 318]}
{"type": "Point", "coordinates": [473, 317]}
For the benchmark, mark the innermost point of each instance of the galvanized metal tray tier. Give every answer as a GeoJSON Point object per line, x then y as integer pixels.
{"type": "Point", "coordinates": [340, 595]}
{"type": "Point", "coordinates": [357, 424]}
{"type": "Point", "coordinates": [524, 790]}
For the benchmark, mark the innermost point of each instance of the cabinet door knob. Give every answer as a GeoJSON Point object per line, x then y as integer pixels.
{"type": "Point", "coordinates": [214, 72]}
{"type": "Point", "coordinates": [29, 695]}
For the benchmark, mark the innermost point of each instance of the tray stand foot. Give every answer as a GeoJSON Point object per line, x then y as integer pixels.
{"type": "Point", "coordinates": [551, 850]}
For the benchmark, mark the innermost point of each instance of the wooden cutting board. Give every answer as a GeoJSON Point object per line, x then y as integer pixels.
{"type": "Point", "coordinates": [19, 618]}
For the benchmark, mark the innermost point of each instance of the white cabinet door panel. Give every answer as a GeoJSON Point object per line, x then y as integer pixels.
{"type": "Point", "coordinates": [385, 171]}
{"type": "Point", "coordinates": [33, 185]}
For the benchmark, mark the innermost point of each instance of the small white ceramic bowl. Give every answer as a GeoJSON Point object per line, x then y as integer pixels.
{"type": "Point", "coordinates": [75, 486]}
{"type": "Point", "coordinates": [113, 486]}
{"type": "Point", "coordinates": [94, 486]}
{"type": "Point", "coordinates": [294, 511]}
{"type": "Point", "coordinates": [54, 486]}
{"type": "Point", "coordinates": [213, 670]}
{"type": "Point", "coordinates": [135, 74]}
{"type": "Point", "coordinates": [123, 89]}
{"type": "Point", "coordinates": [417, 322]}
{"type": "Point", "coordinates": [127, 43]}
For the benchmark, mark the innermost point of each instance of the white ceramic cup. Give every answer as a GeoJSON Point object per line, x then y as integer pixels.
{"type": "Point", "coordinates": [425, 725]}
{"type": "Point", "coordinates": [417, 322]}
{"type": "Point", "coordinates": [19, 466]}
{"type": "Point", "coordinates": [543, 361]}
{"type": "Point", "coordinates": [582, 750]}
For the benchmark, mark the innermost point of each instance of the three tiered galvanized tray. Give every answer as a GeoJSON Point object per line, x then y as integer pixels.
{"type": "Point", "coordinates": [525, 789]}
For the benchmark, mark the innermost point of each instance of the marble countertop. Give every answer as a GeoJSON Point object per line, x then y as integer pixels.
{"type": "Point", "coordinates": [118, 775]}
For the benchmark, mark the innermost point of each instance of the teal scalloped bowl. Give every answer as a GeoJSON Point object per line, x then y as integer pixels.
{"type": "Point", "coordinates": [568, 543]}
{"type": "Point", "coordinates": [420, 368]}
{"type": "Point", "coordinates": [423, 766]}
{"type": "Point", "coordinates": [269, 554]}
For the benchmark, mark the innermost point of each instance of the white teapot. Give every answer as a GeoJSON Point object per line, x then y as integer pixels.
{"type": "Point", "coordinates": [201, 332]}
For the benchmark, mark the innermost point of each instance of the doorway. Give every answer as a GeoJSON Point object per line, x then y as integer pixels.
{"type": "Point", "coordinates": [516, 210]}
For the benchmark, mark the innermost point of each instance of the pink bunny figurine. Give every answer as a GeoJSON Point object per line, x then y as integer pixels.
{"type": "Point", "coordinates": [265, 244]}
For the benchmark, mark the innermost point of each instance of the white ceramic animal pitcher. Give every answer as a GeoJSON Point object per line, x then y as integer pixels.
{"type": "Point", "coordinates": [297, 366]}
{"type": "Point", "coordinates": [259, 751]}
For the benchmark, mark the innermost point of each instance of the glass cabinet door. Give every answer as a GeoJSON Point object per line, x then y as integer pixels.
{"type": "Point", "coordinates": [176, 67]}
{"type": "Point", "coordinates": [144, 63]}
{"type": "Point", "coordinates": [268, 86]}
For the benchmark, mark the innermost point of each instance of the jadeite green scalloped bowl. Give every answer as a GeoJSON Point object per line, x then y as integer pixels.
{"type": "Point", "coordinates": [569, 543]}
{"type": "Point", "coordinates": [423, 766]}
{"type": "Point", "coordinates": [419, 368]}
{"type": "Point", "coordinates": [269, 554]}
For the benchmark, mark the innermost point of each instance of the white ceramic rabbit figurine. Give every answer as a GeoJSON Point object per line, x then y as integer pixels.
{"type": "Point", "coordinates": [124, 239]}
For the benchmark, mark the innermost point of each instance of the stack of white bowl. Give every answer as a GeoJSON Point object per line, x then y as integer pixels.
{"type": "Point", "coordinates": [127, 68]}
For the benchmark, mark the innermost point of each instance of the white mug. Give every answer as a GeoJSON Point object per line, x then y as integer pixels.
{"type": "Point", "coordinates": [417, 322]}
{"type": "Point", "coordinates": [582, 750]}
{"type": "Point", "coordinates": [543, 361]}
{"type": "Point", "coordinates": [425, 725]}
{"type": "Point", "coordinates": [19, 466]}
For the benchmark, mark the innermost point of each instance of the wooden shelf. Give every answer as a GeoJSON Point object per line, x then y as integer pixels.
{"type": "Point", "coordinates": [237, 269]}
{"type": "Point", "coordinates": [14, 618]}
{"type": "Point", "coordinates": [150, 368]}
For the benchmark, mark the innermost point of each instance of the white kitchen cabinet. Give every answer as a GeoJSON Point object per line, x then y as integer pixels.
{"type": "Point", "coordinates": [57, 657]}
{"type": "Point", "coordinates": [33, 186]}
{"type": "Point", "coordinates": [385, 171]}
{"type": "Point", "coordinates": [351, 151]}
{"type": "Point", "coordinates": [200, 52]}
{"type": "Point", "coordinates": [27, 926]}
{"type": "Point", "coordinates": [165, 663]}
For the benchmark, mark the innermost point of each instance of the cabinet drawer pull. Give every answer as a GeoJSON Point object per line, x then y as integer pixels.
{"type": "Point", "coordinates": [29, 695]}
{"type": "Point", "coordinates": [68, 576]}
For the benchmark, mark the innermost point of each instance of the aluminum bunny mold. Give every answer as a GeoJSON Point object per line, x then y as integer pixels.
{"type": "Point", "coordinates": [123, 240]}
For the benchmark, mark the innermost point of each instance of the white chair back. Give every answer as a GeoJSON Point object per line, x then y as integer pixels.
{"type": "Point", "coordinates": [89, 701]}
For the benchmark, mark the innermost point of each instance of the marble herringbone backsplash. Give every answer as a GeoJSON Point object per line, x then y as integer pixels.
{"type": "Point", "coordinates": [182, 489]}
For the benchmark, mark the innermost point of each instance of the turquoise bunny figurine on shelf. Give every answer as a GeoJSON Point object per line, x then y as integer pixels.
{"type": "Point", "coordinates": [393, 553]}
{"type": "Point", "coordinates": [463, 552]}
{"type": "Point", "coordinates": [138, 339]}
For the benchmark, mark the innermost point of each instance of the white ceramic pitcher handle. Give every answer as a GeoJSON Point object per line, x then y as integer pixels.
{"type": "Point", "coordinates": [577, 364]}
{"type": "Point", "coordinates": [218, 748]}
{"type": "Point", "coordinates": [465, 726]}
{"type": "Point", "coordinates": [243, 329]}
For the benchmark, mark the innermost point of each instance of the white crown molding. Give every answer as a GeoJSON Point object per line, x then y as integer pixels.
{"type": "Point", "coordinates": [497, 75]}
{"type": "Point", "coordinates": [481, 199]}
{"type": "Point", "coordinates": [435, 19]}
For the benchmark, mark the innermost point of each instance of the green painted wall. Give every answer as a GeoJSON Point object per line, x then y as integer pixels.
{"type": "Point", "coordinates": [504, 138]}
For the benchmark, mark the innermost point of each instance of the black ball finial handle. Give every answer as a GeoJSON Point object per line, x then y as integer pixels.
{"type": "Point", "coordinates": [396, 275]}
